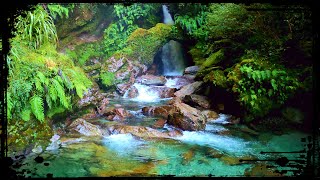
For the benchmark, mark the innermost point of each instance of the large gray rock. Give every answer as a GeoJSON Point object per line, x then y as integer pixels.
{"type": "Point", "coordinates": [191, 70]}
{"type": "Point", "coordinates": [144, 132]}
{"type": "Point", "coordinates": [186, 117]}
{"type": "Point", "coordinates": [197, 100]}
{"type": "Point", "coordinates": [85, 128]}
{"type": "Point", "coordinates": [188, 89]}
{"type": "Point", "coordinates": [151, 80]}
{"type": "Point", "coordinates": [163, 91]}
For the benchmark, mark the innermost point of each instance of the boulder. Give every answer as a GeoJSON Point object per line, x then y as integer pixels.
{"type": "Point", "coordinates": [187, 118]}
{"type": "Point", "coordinates": [188, 89]}
{"type": "Point", "coordinates": [197, 100]}
{"type": "Point", "coordinates": [115, 64]}
{"type": "Point", "coordinates": [132, 92]}
{"type": "Point", "coordinates": [92, 97]}
{"type": "Point", "coordinates": [144, 132]}
{"type": "Point", "coordinates": [85, 128]}
{"type": "Point", "coordinates": [151, 80]}
{"type": "Point", "coordinates": [162, 111]}
{"type": "Point", "coordinates": [192, 70]}
{"type": "Point", "coordinates": [159, 123]}
{"type": "Point", "coordinates": [163, 91]}
{"type": "Point", "coordinates": [210, 115]}
{"type": "Point", "coordinates": [116, 114]}
{"type": "Point", "coordinates": [122, 88]}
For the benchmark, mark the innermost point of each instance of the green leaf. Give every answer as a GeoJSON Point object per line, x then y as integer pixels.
{"type": "Point", "coordinates": [37, 109]}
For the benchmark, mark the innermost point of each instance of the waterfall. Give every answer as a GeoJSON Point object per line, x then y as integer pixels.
{"type": "Point", "coordinates": [167, 19]}
{"type": "Point", "coordinates": [172, 56]}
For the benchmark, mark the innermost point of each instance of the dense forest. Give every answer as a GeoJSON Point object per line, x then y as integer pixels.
{"type": "Point", "coordinates": [68, 61]}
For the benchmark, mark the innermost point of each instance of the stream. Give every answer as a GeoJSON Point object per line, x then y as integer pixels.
{"type": "Point", "coordinates": [215, 151]}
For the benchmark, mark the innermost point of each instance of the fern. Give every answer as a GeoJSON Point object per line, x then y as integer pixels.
{"type": "Point", "coordinates": [53, 93]}
{"type": "Point", "coordinates": [60, 92]}
{"type": "Point", "coordinates": [25, 114]}
{"type": "Point", "coordinates": [37, 109]}
{"type": "Point", "coordinates": [59, 10]}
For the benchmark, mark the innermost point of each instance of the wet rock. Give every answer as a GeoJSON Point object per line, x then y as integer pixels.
{"type": "Point", "coordinates": [212, 153]}
{"type": "Point", "coordinates": [162, 111]}
{"type": "Point", "coordinates": [115, 64]}
{"type": "Point", "coordinates": [187, 118]}
{"type": "Point", "coordinates": [163, 91]}
{"type": "Point", "coordinates": [188, 89]}
{"type": "Point", "coordinates": [122, 113]}
{"type": "Point", "coordinates": [197, 100]}
{"type": "Point", "coordinates": [261, 170]}
{"type": "Point", "coordinates": [116, 114]}
{"type": "Point", "coordinates": [187, 156]}
{"type": "Point", "coordinates": [210, 115]}
{"type": "Point", "coordinates": [122, 88]}
{"type": "Point", "coordinates": [90, 115]}
{"type": "Point", "coordinates": [85, 128]}
{"type": "Point", "coordinates": [55, 143]}
{"type": "Point", "coordinates": [102, 106]}
{"type": "Point", "coordinates": [159, 123]}
{"type": "Point", "coordinates": [183, 81]}
{"type": "Point", "coordinates": [144, 132]}
{"type": "Point", "coordinates": [191, 70]}
{"type": "Point", "coordinates": [151, 80]}
{"type": "Point", "coordinates": [133, 92]}
{"type": "Point", "coordinates": [230, 160]}
{"type": "Point", "coordinates": [92, 97]}
{"type": "Point", "coordinates": [174, 100]}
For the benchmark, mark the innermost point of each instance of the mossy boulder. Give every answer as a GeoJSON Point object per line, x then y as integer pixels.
{"type": "Point", "coordinates": [213, 59]}
{"type": "Point", "coordinates": [144, 44]}
{"type": "Point", "coordinates": [85, 24]}
{"type": "Point", "coordinates": [217, 77]}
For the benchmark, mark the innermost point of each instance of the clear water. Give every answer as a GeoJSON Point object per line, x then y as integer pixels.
{"type": "Point", "coordinates": [210, 152]}
{"type": "Point", "coordinates": [186, 155]}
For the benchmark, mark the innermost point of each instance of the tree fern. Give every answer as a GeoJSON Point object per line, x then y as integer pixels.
{"type": "Point", "coordinates": [37, 109]}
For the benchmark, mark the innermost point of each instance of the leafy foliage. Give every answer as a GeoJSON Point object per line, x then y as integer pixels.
{"type": "Point", "coordinates": [36, 103]}
{"type": "Point", "coordinates": [262, 86]}
{"type": "Point", "coordinates": [127, 20]}
{"type": "Point", "coordinates": [36, 28]}
{"type": "Point", "coordinates": [40, 78]}
{"type": "Point", "coordinates": [59, 10]}
{"type": "Point", "coordinates": [107, 78]}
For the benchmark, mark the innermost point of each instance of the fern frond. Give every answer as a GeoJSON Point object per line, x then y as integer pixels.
{"type": "Point", "coordinates": [53, 93]}
{"type": "Point", "coordinates": [43, 78]}
{"type": "Point", "coordinates": [61, 94]}
{"type": "Point", "coordinates": [37, 109]}
{"type": "Point", "coordinates": [39, 86]}
{"type": "Point", "coordinates": [25, 114]}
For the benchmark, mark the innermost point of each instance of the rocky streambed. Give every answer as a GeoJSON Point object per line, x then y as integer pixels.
{"type": "Point", "coordinates": [159, 126]}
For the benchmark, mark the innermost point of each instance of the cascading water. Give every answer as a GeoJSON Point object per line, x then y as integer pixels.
{"type": "Point", "coordinates": [172, 52]}
{"type": "Point", "coordinates": [145, 93]}
{"type": "Point", "coordinates": [167, 19]}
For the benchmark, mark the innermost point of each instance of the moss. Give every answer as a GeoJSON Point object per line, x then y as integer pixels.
{"type": "Point", "coordinates": [197, 56]}
{"type": "Point", "coordinates": [217, 77]}
{"type": "Point", "coordinates": [22, 135]}
{"type": "Point", "coordinates": [85, 19]}
{"type": "Point", "coordinates": [144, 44]}
{"type": "Point", "coordinates": [213, 59]}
